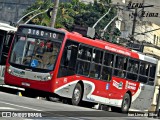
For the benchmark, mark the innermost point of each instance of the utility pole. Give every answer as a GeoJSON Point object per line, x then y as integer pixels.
{"type": "Point", "coordinates": [54, 13]}
{"type": "Point", "coordinates": [134, 22]}
{"type": "Point", "coordinates": [112, 31]}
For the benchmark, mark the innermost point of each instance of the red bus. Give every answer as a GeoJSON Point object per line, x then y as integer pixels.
{"type": "Point", "coordinates": [74, 67]}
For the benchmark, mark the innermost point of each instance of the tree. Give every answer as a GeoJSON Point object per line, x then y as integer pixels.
{"type": "Point", "coordinates": [77, 13]}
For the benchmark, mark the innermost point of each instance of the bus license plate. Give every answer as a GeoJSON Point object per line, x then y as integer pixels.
{"type": "Point", "coordinates": [25, 84]}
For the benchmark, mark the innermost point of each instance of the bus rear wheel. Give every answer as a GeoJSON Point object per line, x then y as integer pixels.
{"type": "Point", "coordinates": [77, 95]}
{"type": "Point", "coordinates": [126, 103]}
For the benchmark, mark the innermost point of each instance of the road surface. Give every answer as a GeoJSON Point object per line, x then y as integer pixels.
{"type": "Point", "coordinates": [12, 106]}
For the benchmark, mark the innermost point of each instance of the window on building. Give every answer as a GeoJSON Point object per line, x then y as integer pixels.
{"type": "Point", "coordinates": [154, 39]}
{"type": "Point", "coordinates": [157, 40]}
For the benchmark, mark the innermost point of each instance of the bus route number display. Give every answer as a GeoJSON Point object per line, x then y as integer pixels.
{"type": "Point", "coordinates": [40, 33]}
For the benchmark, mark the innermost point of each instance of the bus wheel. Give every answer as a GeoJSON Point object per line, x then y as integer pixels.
{"type": "Point", "coordinates": [77, 95]}
{"type": "Point", "coordinates": [126, 103]}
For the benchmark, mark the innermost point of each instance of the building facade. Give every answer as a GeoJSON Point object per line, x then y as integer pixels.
{"type": "Point", "coordinates": [12, 10]}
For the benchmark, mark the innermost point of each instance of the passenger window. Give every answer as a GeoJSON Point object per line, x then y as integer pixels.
{"type": "Point", "coordinates": [82, 68]}
{"type": "Point", "coordinates": [85, 53]}
{"type": "Point", "coordinates": [152, 71]}
{"type": "Point", "coordinates": [68, 61]}
{"type": "Point", "coordinates": [143, 73]}
{"type": "Point", "coordinates": [84, 60]}
{"type": "Point", "coordinates": [120, 66]}
{"type": "Point", "coordinates": [107, 68]}
{"type": "Point", "coordinates": [152, 74]}
{"type": "Point", "coordinates": [108, 59]}
{"type": "Point", "coordinates": [95, 66]}
{"type": "Point", "coordinates": [97, 56]}
{"type": "Point", "coordinates": [144, 68]}
{"type": "Point", "coordinates": [95, 71]}
{"type": "Point", "coordinates": [106, 73]}
{"type": "Point", "coordinates": [133, 67]}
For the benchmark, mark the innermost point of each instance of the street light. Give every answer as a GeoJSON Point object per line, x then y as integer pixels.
{"type": "Point", "coordinates": [102, 34]}
{"type": "Point", "coordinates": [91, 30]}
{"type": "Point", "coordinates": [35, 16]}
{"type": "Point", "coordinates": [27, 15]}
{"type": "Point", "coordinates": [101, 18]}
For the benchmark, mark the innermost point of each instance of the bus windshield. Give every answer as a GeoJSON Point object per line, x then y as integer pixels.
{"type": "Point", "coordinates": [35, 53]}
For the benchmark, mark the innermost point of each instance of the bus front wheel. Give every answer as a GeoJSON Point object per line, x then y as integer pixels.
{"type": "Point", "coordinates": [77, 95]}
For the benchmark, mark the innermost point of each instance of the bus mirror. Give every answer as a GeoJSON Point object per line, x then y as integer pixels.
{"type": "Point", "coordinates": [91, 32]}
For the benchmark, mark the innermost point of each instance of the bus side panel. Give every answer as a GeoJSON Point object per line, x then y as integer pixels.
{"type": "Point", "coordinates": [144, 100]}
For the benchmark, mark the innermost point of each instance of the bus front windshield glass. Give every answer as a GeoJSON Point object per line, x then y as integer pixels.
{"type": "Point", "coordinates": [35, 53]}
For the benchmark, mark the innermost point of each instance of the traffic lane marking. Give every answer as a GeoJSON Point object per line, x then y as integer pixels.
{"type": "Point", "coordinates": [29, 108]}
{"type": "Point", "coordinates": [60, 115]}
{"type": "Point", "coordinates": [7, 108]}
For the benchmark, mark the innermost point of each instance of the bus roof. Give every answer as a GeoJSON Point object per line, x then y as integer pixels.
{"type": "Point", "coordinates": [102, 44]}
{"type": "Point", "coordinates": [7, 27]}
{"type": "Point", "coordinates": [112, 47]}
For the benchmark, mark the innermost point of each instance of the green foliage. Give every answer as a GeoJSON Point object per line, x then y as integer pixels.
{"type": "Point", "coordinates": [75, 13]}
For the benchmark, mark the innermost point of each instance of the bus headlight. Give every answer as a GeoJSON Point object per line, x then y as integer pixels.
{"type": "Point", "coordinates": [9, 70]}
{"type": "Point", "coordinates": [49, 77]}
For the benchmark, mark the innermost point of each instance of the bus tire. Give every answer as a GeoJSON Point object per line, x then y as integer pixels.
{"type": "Point", "coordinates": [126, 103]}
{"type": "Point", "coordinates": [77, 95]}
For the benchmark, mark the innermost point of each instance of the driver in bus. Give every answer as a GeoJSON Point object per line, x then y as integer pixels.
{"type": "Point", "coordinates": [49, 56]}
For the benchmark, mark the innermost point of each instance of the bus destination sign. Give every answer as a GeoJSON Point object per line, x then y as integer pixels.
{"type": "Point", "coordinates": [41, 33]}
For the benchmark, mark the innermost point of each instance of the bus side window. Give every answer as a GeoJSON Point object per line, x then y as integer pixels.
{"type": "Point", "coordinates": [106, 73]}
{"type": "Point", "coordinates": [69, 58]}
{"type": "Point", "coordinates": [120, 66]}
{"type": "Point", "coordinates": [95, 68]}
{"type": "Point", "coordinates": [133, 67]}
{"type": "Point", "coordinates": [108, 59]}
{"type": "Point", "coordinates": [143, 72]}
{"type": "Point", "coordinates": [152, 73]}
{"type": "Point", "coordinates": [84, 59]}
